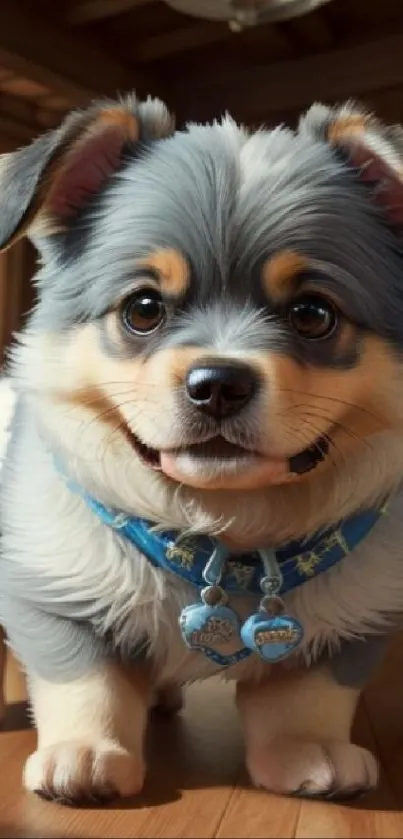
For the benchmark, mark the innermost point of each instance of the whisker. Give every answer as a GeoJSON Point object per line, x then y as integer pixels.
{"type": "Point", "coordinates": [107, 438]}
{"type": "Point", "coordinates": [87, 403]}
{"type": "Point", "coordinates": [124, 425]}
{"type": "Point", "coordinates": [342, 425]}
{"type": "Point", "coordinates": [334, 399]}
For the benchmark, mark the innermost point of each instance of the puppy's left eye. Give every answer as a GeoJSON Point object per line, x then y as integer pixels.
{"type": "Point", "coordinates": [143, 312]}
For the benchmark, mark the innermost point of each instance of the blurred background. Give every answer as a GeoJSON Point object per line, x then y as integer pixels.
{"type": "Point", "coordinates": [262, 60]}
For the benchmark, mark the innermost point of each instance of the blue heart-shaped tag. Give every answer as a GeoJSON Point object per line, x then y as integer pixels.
{"type": "Point", "coordinates": [214, 630]}
{"type": "Point", "coordinates": [272, 637]}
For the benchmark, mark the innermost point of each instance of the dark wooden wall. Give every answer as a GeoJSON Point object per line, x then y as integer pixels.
{"type": "Point", "coordinates": [17, 266]}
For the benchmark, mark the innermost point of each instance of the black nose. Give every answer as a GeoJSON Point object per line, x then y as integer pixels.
{"type": "Point", "coordinates": [220, 390]}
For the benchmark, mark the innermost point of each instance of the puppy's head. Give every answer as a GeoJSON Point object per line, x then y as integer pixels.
{"type": "Point", "coordinates": [227, 307]}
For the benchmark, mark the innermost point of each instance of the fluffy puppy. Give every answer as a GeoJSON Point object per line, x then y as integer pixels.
{"type": "Point", "coordinates": [216, 349]}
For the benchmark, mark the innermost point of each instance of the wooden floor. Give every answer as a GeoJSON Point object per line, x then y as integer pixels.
{"type": "Point", "coordinates": [197, 786]}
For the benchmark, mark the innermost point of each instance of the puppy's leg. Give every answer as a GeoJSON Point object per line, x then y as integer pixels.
{"type": "Point", "coordinates": [90, 735]}
{"type": "Point", "coordinates": [297, 729]}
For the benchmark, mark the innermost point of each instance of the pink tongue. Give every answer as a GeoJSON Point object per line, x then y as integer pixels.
{"type": "Point", "coordinates": [259, 472]}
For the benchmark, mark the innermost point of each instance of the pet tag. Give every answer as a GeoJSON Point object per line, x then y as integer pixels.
{"type": "Point", "coordinates": [211, 626]}
{"type": "Point", "coordinates": [272, 638]}
{"type": "Point", "coordinates": [270, 633]}
{"type": "Point", "coordinates": [211, 629]}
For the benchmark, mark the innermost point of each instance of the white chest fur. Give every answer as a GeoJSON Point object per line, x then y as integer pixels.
{"type": "Point", "coordinates": [65, 563]}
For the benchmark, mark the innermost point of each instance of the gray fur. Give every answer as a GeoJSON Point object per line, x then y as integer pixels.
{"type": "Point", "coordinates": [53, 646]}
{"type": "Point", "coordinates": [356, 660]}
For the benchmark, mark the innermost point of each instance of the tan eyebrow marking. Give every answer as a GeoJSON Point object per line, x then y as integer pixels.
{"type": "Point", "coordinates": [280, 272]}
{"type": "Point", "coordinates": [172, 269]}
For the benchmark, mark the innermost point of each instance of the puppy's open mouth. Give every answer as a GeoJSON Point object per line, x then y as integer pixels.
{"type": "Point", "coordinates": [217, 459]}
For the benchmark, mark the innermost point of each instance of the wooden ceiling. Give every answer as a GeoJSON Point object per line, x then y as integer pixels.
{"type": "Point", "coordinates": [56, 54]}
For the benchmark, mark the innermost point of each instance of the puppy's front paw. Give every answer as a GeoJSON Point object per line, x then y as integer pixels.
{"type": "Point", "coordinates": [73, 773]}
{"type": "Point", "coordinates": [334, 770]}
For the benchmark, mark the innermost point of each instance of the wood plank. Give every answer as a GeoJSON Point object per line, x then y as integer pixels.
{"type": "Point", "coordinates": [201, 44]}
{"type": "Point", "coordinates": [375, 815]}
{"type": "Point", "coordinates": [24, 119]}
{"type": "Point", "coordinates": [8, 142]}
{"type": "Point", "coordinates": [15, 688]}
{"type": "Point", "coordinates": [56, 103]}
{"type": "Point", "coordinates": [22, 110]}
{"type": "Point", "coordinates": [67, 65]}
{"type": "Point", "coordinates": [384, 699]}
{"type": "Point", "coordinates": [26, 88]}
{"type": "Point", "coordinates": [194, 762]}
{"type": "Point", "coordinates": [185, 39]}
{"type": "Point", "coordinates": [4, 291]}
{"type": "Point", "coordinates": [309, 33]}
{"type": "Point", "coordinates": [197, 786]}
{"type": "Point", "coordinates": [253, 814]}
{"type": "Point", "coordinates": [387, 104]}
{"type": "Point", "coordinates": [252, 92]}
{"type": "Point", "coordinates": [14, 269]}
{"type": "Point", "coordinates": [324, 820]}
{"type": "Point", "coordinates": [86, 11]}
{"type": "Point", "coordinates": [17, 132]}
{"type": "Point", "coordinates": [17, 267]}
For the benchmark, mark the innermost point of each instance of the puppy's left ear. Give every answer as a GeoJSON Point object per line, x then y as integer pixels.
{"type": "Point", "coordinates": [373, 150]}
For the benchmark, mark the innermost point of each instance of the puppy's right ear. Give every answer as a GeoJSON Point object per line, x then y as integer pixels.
{"type": "Point", "coordinates": [43, 186]}
{"type": "Point", "coordinates": [372, 150]}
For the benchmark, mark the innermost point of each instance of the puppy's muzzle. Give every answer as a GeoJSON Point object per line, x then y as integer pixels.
{"type": "Point", "coordinates": [221, 390]}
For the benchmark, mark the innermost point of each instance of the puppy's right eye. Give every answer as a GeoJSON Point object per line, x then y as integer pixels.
{"type": "Point", "coordinates": [313, 317]}
{"type": "Point", "coordinates": [143, 312]}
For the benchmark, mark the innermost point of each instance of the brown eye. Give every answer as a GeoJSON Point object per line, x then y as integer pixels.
{"type": "Point", "coordinates": [312, 317]}
{"type": "Point", "coordinates": [143, 312]}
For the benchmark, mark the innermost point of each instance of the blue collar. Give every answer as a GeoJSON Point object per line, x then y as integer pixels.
{"type": "Point", "coordinates": [210, 625]}
{"type": "Point", "coordinates": [187, 556]}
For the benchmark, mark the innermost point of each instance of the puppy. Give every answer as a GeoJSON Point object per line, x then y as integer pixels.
{"type": "Point", "coordinates": [206, 455]}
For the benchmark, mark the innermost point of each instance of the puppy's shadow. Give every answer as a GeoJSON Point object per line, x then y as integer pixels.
{"type": "Point", "coordinates": [203, 748]}
{"type": "Point", "coordinates": [17, 717]}
{"type": "Point", "coordinates": [165, 775]}
{"type": "Point", "coordinates": [181, 756]}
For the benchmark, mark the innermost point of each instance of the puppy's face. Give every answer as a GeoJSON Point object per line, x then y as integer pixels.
{"type": "Point", "coordinates": [231, 305]}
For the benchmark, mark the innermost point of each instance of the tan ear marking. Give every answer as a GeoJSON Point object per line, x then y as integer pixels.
{"type": "Point", "coordinates": [119, 117]}
{"type": "Point", "coordinates": [280, 273]}
{"type": "Point", "coordinates": [346, 127]}
{"type": "Point", "coordinates": [375, 152]}
{"type": "Point", "coordinates": [89, 160]}
{"type": "Point", "coordinates": [46, 183]}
